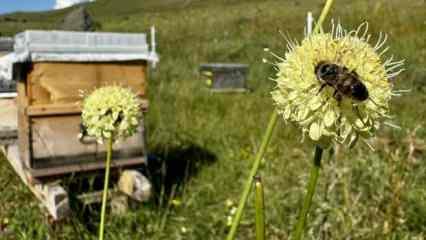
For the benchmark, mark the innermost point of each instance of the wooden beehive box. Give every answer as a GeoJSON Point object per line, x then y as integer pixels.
{"type": "Point", "coordinates": [49, 116]}
{"type": "Point", "coordinates": [60, 67]}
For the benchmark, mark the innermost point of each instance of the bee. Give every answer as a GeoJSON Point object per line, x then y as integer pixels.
{"type": "Point", "coordinates": [344, 82]}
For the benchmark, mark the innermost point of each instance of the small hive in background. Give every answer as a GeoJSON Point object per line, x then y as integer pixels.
{"type": "Point", "coordinates": [225, 77]}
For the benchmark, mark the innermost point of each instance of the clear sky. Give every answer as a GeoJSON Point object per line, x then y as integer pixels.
{"type": "Point", "coordinates": [7, 6]}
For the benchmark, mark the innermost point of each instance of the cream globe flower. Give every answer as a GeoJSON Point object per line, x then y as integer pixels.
{"type": "Point", "coordinates": [322, 107]}
{"type": "Point", "coordinates": [111, 111]}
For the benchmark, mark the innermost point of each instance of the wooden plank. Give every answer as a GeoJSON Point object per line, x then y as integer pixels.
{"type": "Point", "coordinates": [54, 109]}
{"type": "Point", "coordinates": [96, 196]}
{"type": "Point", "coordinates": [57, 137]}
{"type": "Point", "coordinates": [61, 82]}
{"type": "Point", "coordinates": [8, 136]}
{"type": "Point", "coordinates": [52, 196]}
{"type": "Point", "coordinates": [60, 170]}
{"type": "Point", "coordinates": [8, 121]}
{"type": "Point", "coordinates": [23, 120]}
{"type": "Point", "coordinates": [64, 109]}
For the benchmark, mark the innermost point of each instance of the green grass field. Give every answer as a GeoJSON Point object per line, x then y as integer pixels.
{"type": "Point", "coordinates": [203, 143]}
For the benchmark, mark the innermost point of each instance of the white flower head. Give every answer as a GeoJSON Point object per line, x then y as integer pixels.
{"type": "Point", "coordinates": [335, 86]}
{"type": "Point", "coordinates": [111, 111]}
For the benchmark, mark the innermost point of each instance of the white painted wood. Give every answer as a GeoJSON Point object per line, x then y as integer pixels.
{"type": "Point", "coordinates": [8, 95]}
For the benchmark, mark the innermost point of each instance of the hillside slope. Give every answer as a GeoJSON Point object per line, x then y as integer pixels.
{"type": "Point", "coordinates": [101, 10]}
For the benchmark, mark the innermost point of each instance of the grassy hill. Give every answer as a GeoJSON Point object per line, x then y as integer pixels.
{"type": "Point", "coordinates": [101, 10]}
{"type": "Point", "coordinates": [205, 142]}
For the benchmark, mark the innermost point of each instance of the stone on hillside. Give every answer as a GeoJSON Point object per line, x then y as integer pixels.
{"type": "Point", "coordinates": [77, 20]}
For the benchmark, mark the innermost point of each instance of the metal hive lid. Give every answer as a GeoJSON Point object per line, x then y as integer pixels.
{"type": "Point", "coordinates": [36, 45]}
{"type": "Point", "coordinates": [84, 42]}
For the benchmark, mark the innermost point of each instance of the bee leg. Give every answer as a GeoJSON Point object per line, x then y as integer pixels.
{"type": "Point", "coordinates": [358, 113]}
{"type": "Point", "coordinates": [338, 97]}
{"type": "Point", "coordinates": [335, 94]}
{"type": "Point", "coordinates": [322, 87]}
{"type": "Point", "coordinates": [377, 105]}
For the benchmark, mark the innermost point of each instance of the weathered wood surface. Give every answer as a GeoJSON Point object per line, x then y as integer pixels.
{"type": "Point", "coordinates": [24, 137]}
{"type": "Point", "coordinates": [8, 113]}
{"type": "Point", "coordinates": [68, 82]}
{"type": "Point", "coordinates": [53, 109]}
{"type": "Point", "coordinates": [57, 136]}
{"type": "Point", "coordinates": [95, 196]}
{"type": "Point", "coordinates": [8, 121]}
{"type": "Point", "coordinates": [64, 109]}
{"type": "Point", "coordinates": [56, 143]}
{"type": "Point", "coordinates": [83, 167]}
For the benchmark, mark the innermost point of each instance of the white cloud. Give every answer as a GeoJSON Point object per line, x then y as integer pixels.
{"type": "Point", "coordinates": [66, 3]}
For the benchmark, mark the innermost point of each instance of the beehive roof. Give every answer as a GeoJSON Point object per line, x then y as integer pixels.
{"type": "Point", "coordinates": [39, 46]}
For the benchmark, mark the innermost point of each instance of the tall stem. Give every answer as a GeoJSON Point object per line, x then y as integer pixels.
{"type": "Point", "coordinates": [307, 202]}
{"type": "Point", "coordinates": [256, 163]}
{"type": "Point", "coordinates": [105, 192]}
{"type": "Point", "coordinates": [323, 15]}
{"type": "Point", "coordinates": [260, 210]}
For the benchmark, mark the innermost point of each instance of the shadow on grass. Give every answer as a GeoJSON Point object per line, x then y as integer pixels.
{"type": "Point", "coordinates": [169, 168]}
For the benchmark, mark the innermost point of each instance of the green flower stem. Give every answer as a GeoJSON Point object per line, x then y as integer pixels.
{"type": "Point", "coordinates": [260, 210]}
{"type": "Point", "coordinates": [323, 15]}
{"type": "Point", "coordinates": [105, 192]}
{"type": "Point", "coordinates": [318, 152]}
{"type": "Point", "coordinates": [307, 202]}
{"type": "Point", "coordinates": [263, 146]}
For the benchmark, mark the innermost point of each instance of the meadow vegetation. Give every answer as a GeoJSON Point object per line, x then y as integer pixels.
{"type": "Point", "coordinates": [201, 144]}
